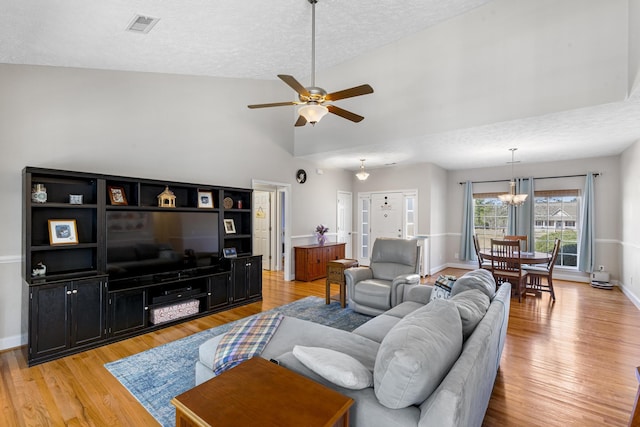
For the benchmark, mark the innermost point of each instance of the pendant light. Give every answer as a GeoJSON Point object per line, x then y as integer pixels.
{"type": "Point", "coordinates": [511, 198]}
{"type": "Point", "coordinates": [362, 175]}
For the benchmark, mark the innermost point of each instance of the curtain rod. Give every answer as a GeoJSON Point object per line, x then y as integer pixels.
{"type": "Point", "coordinates": [542, 177]}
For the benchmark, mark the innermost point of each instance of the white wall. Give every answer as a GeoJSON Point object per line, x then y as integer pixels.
{"type": "Point", "coordinates": [505, 60]}
{"type": "Point", "coordinates": [606, 193]}
{"type": "Point", "coordinates": [630, 196]}
{"type": "Point", "coordinates": [178, 128]}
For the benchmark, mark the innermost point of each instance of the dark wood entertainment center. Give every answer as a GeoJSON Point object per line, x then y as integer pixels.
{"type": "Point", "coordinates": [82, 299]}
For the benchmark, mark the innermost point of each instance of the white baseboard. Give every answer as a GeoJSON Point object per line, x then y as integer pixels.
{"type": "Point", "coordinates": [12, 342]}
{"type": "Point", "coordinates": [634, 299]}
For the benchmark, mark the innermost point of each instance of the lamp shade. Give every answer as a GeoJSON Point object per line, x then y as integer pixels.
{"type": "Point", "coordinates": [313, 112]}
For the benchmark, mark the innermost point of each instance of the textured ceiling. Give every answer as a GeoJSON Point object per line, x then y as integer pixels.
{"type": "Point", "coordinates": [258, 39]}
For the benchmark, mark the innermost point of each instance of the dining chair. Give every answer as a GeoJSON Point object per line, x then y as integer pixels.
{"type": "Point", "coordinates": [506, 265]}
{"type": "Point", "coordinates": [524, 240]}
{"type": "Point", "coordinates": [536, 274]}
{"type": "Point", "coordinates": [482, 263]}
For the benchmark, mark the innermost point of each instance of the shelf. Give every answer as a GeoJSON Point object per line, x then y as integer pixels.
{"type": "Point", "coordinates": [63, 247]}
{"type": "Point", "coordinates": [178, 299]}
{"type": "Point", "coordinates": [64, 205]}
{"type": "Point", "coordinates": [158, 209]}
{"type": "Point", "coordinates": [237, 236]}
{"type": "Point", "coordinates": [63, 277]}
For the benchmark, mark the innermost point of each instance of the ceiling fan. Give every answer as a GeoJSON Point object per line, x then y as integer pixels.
{"type": "Point", "coordinates": [315, 100]}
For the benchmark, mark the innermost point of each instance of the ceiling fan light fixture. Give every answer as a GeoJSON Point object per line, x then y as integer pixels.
{"type": "Point", "coordinates": [313, 112]}
{"type": "Point", "coordinates": [362, 175]}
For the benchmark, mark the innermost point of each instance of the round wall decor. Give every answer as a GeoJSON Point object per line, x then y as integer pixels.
{"type": "Point", "coordinates": [301, 176]}
{"type": "Point", "coordinates": [227, 202]}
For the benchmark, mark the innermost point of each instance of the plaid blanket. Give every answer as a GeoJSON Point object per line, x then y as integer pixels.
{"type": "Point", "coordinates": [244, 341]}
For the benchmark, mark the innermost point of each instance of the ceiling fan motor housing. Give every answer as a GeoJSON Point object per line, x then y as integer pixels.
{"type": "Point", "coordinates": [316, 94]}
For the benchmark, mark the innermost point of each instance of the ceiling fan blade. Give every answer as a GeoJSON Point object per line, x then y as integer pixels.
{"type": "Point", "coordinates": [349, 93]}
{"type": "Point", "coordinates": [301, 121]}
{"type": "Point", "coordinates": [273, 104]}
{"type": "Point", "coordinates": [294, 84]}
{"type": "Point", "coordinates": [344, 113]}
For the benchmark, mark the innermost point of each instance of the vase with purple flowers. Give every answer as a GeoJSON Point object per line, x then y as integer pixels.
{"type": "Point", "coordinates": [320, 230]}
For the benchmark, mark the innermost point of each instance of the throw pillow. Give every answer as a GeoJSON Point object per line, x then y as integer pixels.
{"type": "Point", "coordinates": [477, 279]}
{"type": "Point", "coordinates": [416, 354]}
{"type": "Point", "coordinates": [339, 368]}
{"type": "Point", "coordinates": [472, 306]}
{"type": "Point", "coordinates": [442, 287]}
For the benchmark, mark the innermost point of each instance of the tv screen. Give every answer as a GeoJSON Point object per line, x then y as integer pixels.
{"type": "Point", "coordinates": [143, 243]}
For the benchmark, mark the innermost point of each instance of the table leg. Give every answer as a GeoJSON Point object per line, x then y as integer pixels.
{"type": "Point", "coordinates": [328, 293]}
{"type": "Point", "coordinates": [343, 295]}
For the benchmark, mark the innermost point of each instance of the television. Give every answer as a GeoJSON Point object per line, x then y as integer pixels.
{"type": "Point", "coordinates": [141, 243]}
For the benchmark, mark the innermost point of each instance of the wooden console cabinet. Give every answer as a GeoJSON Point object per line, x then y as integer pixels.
{"type": "Point", "coordinates": [81, 299]}
{"type": "Point", "coordinates": [311, 260]}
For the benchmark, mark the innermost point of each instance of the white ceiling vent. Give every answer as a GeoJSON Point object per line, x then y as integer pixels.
{"type": "Point", "coordinates": [142, 24]}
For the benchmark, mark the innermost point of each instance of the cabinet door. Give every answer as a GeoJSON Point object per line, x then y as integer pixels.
{"type": "Point", "coordinates": [254, 276]}
{"type": "Point", "coordinates": [218, 291]}
{"type": "Point", "coordinates": [49, 327]}
{"type": "Point", "coordinates": [128, 311]}
{"type": "Point", "coordinates": [238, 280]}
{"type": "Point", "coordinates": [317, 263]}
{"type": "Point", "coordinates": [88, 311]}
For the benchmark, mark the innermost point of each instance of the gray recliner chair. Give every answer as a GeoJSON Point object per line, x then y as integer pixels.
{"type": "Point", "coordinates": [394, 266]}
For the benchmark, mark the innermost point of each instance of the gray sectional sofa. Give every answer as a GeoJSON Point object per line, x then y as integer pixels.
{"type": "Point", "coordinates": [432, 362]}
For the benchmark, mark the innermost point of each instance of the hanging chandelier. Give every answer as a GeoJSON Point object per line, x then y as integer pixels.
{"type": "Point", "coordinates": [511, 198]}
{"type": "Point", "coordinates": [362, 175]}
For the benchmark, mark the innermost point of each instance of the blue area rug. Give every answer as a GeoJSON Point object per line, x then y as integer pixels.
{"type": "Point", "coordinates": [156, 376]}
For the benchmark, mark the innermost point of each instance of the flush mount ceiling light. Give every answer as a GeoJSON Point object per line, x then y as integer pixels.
{"type": "Point", "coordinates": [315, 101]}
{"type": "Point", "coordinates": [362, 175]}
{"type": "Point", "coordinates": [511, 198]}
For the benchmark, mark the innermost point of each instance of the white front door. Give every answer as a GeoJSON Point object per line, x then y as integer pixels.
{"type": "Point", "coordinates": [262, 227]}
{"type": "Point", "coordinates": [344, 221]}
{"type": "Point", "coordinates": [386, 215]}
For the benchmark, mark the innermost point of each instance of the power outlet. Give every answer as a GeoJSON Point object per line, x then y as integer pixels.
{"type": "Point", "coordinates": [601, 267]}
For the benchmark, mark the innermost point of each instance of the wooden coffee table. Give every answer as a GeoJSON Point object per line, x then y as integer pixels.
{"type": "Point", "coordinates": [261, 393]}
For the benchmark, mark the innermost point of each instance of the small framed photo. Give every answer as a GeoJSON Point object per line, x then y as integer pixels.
{"type": "Point", "coordinates": [229, 226]}
{"type": "Point", "coordinates": [205, 199]}
{"type": "Point", "coordinates": [63, 232]}
{"type": "Point", "coordinates": [117, 195]}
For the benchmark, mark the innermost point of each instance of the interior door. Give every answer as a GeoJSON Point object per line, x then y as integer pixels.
{"type": "Point", "coordinates": [262, 227]}
{"type": "Point", "coordinates": [386, 215]}
{"type": "Point", "coordinates": [344, 221]}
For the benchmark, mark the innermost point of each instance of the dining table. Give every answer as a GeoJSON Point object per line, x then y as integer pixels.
{"type": "Point", "coordinates": [524, 258]}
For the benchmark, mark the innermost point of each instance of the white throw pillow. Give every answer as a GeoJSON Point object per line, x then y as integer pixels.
{"type": "Point", "coordinates": [339, 368]}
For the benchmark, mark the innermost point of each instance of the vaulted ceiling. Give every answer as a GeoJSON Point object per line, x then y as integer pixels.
{"type": "Point", "coordinates": [456, 83]}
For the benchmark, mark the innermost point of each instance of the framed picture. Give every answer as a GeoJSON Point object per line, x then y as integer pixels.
{"type": "Point", "coordinates": [205, 199]}
{"type": "Point", "coordinates": [63, 232]}
{"type": "Point", "coordinates": [117, 195]}
{"type": "Point", "coordinates": [229, 226]}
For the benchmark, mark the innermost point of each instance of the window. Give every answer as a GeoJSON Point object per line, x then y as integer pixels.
{"type": "Point", "coordinates": [409, 216]}
{"type": "Point", "coordinates": [556, 217]}
{"type": "Point", "coordinates": [364, 227]}
{"type": "Point", "coordinates": [489, 218]}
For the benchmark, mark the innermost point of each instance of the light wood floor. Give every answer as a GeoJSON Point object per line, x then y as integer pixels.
{"type": "Point", "coordinates": [568, 363]}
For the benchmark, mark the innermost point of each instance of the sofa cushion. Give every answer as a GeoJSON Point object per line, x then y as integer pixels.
{"type": "Point", "coordinates": [377, 328]}
{"type": "Point", "coordinates": [404, 308]}
{"type": "Point", "coordinates": [373, 293]}
{"type": "Point", "coordinates": [472, 306]}
{"type": "Point", "coordinates": [416, 354]}
{"type": "Point", "coordinates": [477, 279]}
{"type": "Point", "coordinates": [339, 368]}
